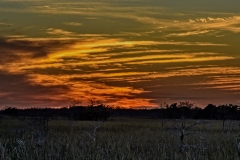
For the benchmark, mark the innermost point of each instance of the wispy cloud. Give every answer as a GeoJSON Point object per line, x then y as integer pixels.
{"type": "Point", "coordinates": [73, 23]}
{"type": "Point", "coordinates": [221, 23]}
{"type": "Point", "coordinates": [5, 24]}
{"type": "Point", "coordinates": [60, 32]}
{"type": "Point", "coordinates": [181, 60]}
{"type": "Point", "coordinates": [189, 33]}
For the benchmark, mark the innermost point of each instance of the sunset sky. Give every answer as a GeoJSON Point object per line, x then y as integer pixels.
{"type": "Point", "coordinates": [127, 53]}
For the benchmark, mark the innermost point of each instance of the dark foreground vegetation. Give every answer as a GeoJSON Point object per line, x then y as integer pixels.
{"type": "Point", "coordinates": [118, 138]}
{"type": "Point", "coordinates": [179, 131]}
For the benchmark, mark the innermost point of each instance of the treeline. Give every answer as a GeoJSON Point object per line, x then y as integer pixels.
{"type": "Point", "coordinates": [187, 110]}
{"type": "Point", "coordinates": [97, 113]}
{"type": "Point", "coordinates": [102, 112]}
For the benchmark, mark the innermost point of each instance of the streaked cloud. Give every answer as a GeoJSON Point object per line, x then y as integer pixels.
{"type": "Point", "coordinates": [95, 52]}
{"type": "Point", "coordinates": [227, 81]}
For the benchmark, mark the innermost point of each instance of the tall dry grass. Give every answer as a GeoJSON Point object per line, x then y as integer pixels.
{"type": "Point", "coordinates": [135, 139]}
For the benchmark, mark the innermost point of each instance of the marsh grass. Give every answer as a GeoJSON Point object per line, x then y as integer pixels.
{"type": "Point", "coordinates": [140, 139]}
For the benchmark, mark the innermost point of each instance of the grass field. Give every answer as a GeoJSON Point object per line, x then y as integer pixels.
{"type": "Point", "coordinates": [122, 138]}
